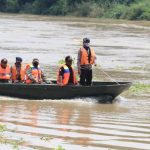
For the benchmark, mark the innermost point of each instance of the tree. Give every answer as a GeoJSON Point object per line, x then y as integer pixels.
{"type": "Point", "coordinates": [2, 5]}
{"type": "Point", "coordinates": [12, 6]}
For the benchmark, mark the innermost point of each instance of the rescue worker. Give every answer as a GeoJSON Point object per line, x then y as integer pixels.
{"type": "Point", "coordinates": [18, 72]}
{"type": "Point", "coordinates": [66, 74]}
{"type": "Point", "coordinates": [5, 71]}
{"type": "Point", "coordinates": [35, 74]}
{"type": "Point", "coordinates": [86, 58]}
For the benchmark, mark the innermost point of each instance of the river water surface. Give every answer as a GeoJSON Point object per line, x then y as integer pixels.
{"type": "Point", "coordinates": [123, 51]}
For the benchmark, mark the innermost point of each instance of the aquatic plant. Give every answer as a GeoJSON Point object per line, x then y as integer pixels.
{"type": "Point", "coordinates": [140, 88]}
{"type": "Point", "coordinates": [2, 128]}
{"type": "Point", "coordinates": [46, 138]}
{"type": "Point", "coordinates": [59, 148]}
{"type": "Point", "coordinates": [15, 144]}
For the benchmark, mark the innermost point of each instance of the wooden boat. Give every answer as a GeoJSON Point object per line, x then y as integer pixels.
{"type": "Point", "coordinates": [53, 91]}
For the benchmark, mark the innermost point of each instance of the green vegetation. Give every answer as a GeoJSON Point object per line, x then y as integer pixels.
{"type": "Point", "coordinates": [59, 148]}
{"type": "Point", "coordinates": [2, 128]}
{"type": "Point", "coordinates": [118, 9]}
{"type": "Point", "coordinates": [15, 144]}
{"type": "Point", "coordinates": [138, 89]}
{"type": "Point", "coordinates": [46, 138]}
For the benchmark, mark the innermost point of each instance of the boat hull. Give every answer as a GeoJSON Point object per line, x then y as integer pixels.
{"type": "Point", "coordinates": [53, 91]}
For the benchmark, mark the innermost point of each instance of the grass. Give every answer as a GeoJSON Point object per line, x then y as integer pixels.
{"type": "Point", "coordinates": [59, 148]}
{"type": "Point", "coordinates": [138, 89]}
{"type": "Point", "coordinates": [2, 128]}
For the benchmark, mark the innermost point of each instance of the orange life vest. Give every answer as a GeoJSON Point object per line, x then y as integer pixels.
{"type": "Point", "coordinates": [66, 76]}
{"type": "Point", "coordinates": [36, 73]}
{"type": "Point", "coordinates": [26, 68]}
{"type": "Point", "coordinates": [5, 73]}
{"type": "Point", "coordinates": [84, 56]}
{"type": "Point", "coordinates": [14, 73]}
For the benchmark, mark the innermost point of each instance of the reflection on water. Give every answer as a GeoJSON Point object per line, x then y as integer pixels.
{"type": "Point", "coordinates": [77, 123]}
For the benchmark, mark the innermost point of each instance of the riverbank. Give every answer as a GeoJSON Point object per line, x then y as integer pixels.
{"type": "Point", "coordinates": [116, 9]}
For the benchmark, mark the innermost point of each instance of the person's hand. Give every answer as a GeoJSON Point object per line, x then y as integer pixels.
{"type": "Point", "coordinates": [37, 82]}
{"type": "Point", "coordinates": [49, 82]}
{"type": "Point", "coordinates": [77, 84]}
{"type": "Point", "coordinates": [16, 81]}
{"type": "Point", "coordinates": [40, 82]}
{"type": "Point", "coordinates": [9, 81]}
{"type": "Point", "coordinates": [60, 84]}
{"type": "Point", "coordinates": [79, 71]}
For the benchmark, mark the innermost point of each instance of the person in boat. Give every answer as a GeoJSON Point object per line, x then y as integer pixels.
{"type": "Point", "coordinates": [5, 71]}
{"type": "Point", "coordinates": [66, 74]}
{"type": "Point", "coordinates": [34, 74]}
{"type": "Point", "coordinates": [86, 58]}
{"type": "Point", "coordinates": [17, 71]}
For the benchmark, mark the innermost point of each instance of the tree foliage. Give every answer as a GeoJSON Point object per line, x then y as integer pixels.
{"type": "Point", "coordinates": [124, 9]}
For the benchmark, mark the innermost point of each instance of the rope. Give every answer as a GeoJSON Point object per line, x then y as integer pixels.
{"type": "Point", "coordinates": [108, 76]}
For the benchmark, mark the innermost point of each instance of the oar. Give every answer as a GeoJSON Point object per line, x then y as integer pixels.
{"type": "Point", "coordinates": [107, 75]}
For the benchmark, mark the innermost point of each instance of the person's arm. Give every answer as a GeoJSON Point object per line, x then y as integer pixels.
{"type": "Point", "coordinates": [60, 81]}
{"type": "Point", "coordinates": [79, 60]}
{"type": "Point", "coordinates": [95, 59]}
{"type": "Point", "coordinates": [61, 72]}
{"type": "Point", "coordinates": [44, 78]}
{"type": "Point", "coordinates": [11, 75]}
{"type": "Point", "coordinates": [29, 74]}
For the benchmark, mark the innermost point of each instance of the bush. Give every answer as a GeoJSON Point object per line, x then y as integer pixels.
{"type": "Point", "coordinates": [117, 11]}
{"type": "Point", "coordinates": [96, 11]}
{"type": "Point", "coordinates": [133, 13]}
{"type": "Point", "coordinates": [137, 11]}
{"type": "Point", "coordinates": [145, 16]}
{"type": "Point", "coordinates": [2, 5]}
{"type": "Point", "coordinates": [84, 9]}
{"type": "Point", "coordinates": [12, 6]}
{"type": "Point", "coordinates": [27, 8]}
{"type": "Point", "coordinates": [124, 9]}
{"type": "Point", "coordinates": [60, 8]}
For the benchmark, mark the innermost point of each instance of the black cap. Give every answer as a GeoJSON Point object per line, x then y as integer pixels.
{"type": "Point", "coordinates": [4, 60]}
{"type": "Point", "coordinates": [35, 60]}
{"type": "Point", "coordinates": [86, 40]}
{"type": "Point", "coordinates": [19, 59]}
{"type": "Point", "coordinates": [68, 58]}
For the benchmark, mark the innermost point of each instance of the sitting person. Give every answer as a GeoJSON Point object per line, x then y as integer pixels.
{"type": "Point", "coordinates": [34, 74]}
{"type": "Point", "coordinates": [66, 74]}
{"type": "Point", "coordinates": [5, 71]}
{"type": "Point", "coordinates": [18, 72]}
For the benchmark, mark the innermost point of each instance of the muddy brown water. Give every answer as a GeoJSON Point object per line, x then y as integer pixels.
{"type": "Point", "coordinates": [123, 51]}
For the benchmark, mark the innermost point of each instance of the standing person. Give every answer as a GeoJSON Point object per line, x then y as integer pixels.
{"type": "Point", "coordinates": [18, 72]}
{"type": "Point", "coordinates": [66, 73]}
{"type": "Point", "coordinates": [5, 71]}
{"type": "Point", "coordinates": [35, 74]}
{"type": "Point", "coordinates": [86, 58]}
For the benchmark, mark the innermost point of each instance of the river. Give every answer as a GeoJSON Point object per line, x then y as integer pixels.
{"type": "Point", "coordinates": [123, 51]}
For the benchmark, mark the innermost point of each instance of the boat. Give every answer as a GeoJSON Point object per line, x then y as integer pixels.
{"type": "Point", "coordinates": [53, 91]}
